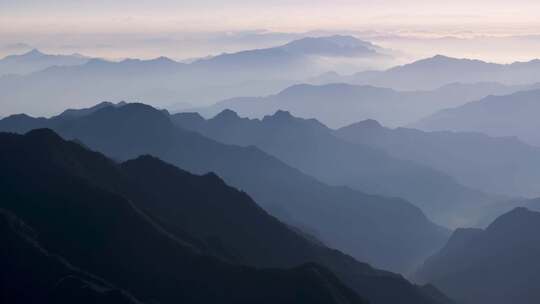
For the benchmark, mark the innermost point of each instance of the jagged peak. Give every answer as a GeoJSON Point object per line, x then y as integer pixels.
{"type": "Point", "coordinates": [279, 115]}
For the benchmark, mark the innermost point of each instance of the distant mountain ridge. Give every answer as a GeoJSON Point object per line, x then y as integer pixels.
{"type": "Point", "coordinates": [34, 60]}
{"type": "Point", "coordinates": [508, 115]}
{"type": "Point", "coordinates": [164, 82]}
{"type": "Point", "coordinates": [333, 46]}
{"type": "Point", "coordinates": [313, 148]}
{"type": "Point", "coordinates": [495, 165]}
{"type": "Point", "coordinates": [439, 70]}
{"type": "Point", "coordinates": [340, 104]}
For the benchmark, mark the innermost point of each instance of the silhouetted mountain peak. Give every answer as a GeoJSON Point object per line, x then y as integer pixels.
{"type": "Point", "coordinates": [336, 45]}
{"type": "Point", "coordinates": [20, 116]}
{"type": "Point", "coordinates": [440, 57]}
{"type": "Point", "coordinates": [34, 53]}
{"type": "Point", "coordinates": [283, 118]}
{"type": "Point", "coordinates": [139, 109]}
{"type": "Point", "coordinates": [282, 115]}
{"type": "Point", "coordinates": [519, 219]}
{"type": "Point", "coordinates": [73, 113]}
{"type": "Point", "coordinates": [442, 61]}
{"type": "Point", "coordinates": [163, 60]}
{"type": "Point", "coordinates": [226, 115]}
{"type": "Point", "coordinates": [371, 124]}
{"type": "Point", "coordinates": [190, 115]}
{"type": "Point", "coordinates": [44, 135]}
{"type": "Point", "coordinates": [188, 120]}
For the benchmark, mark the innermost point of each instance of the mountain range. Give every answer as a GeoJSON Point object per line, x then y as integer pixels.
{"type": "Point", "coordinates": [383, 224]}
{"type": "Point", "coordinates": [74, 215]}
{"type": "Point", "coordinates": [164, 81]}
{"type": "Point", "coordinates": [437, 71]}
{"type": "Point", "coordinates": [313, 148]}
{"type": "Point", "coordinates": [340, 104]}
{"type": "Point", "coordinates": [503, 165]}
{"type": "Point", "coordinates": [495, 265]}
{"type": "Point", "coordinates": [508, 115]}
{"type": "Point", "coordinates": [34, 60]}
{"type": "Point", "coordinates": [160, 234]}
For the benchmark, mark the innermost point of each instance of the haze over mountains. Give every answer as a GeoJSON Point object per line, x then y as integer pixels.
{"type": "Point", "coordinates": [502, 165]}
{"type": "Point", "coordinates": [163, 81]}
{"type": "Point", "coordinates": [282, 174]}
{"type": "Point", "coordinates": [437, 71]}
{"type": "Point", "coordinates": [128, 131]}
{"type": "Point", "coordinates": [103, 232]}
{"type": "Point", "coordinates": [34, 60]}
{"type": "Point", "coordinates": [508, 115]}
{"type": "Point", "coordinates": [339, 104]}
{"type": "Point", "coordinates": [312, 147]}
{"type": "Point", "coordinates": [190, 241]}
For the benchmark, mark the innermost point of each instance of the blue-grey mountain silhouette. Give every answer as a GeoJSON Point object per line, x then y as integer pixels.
{"type": "Point", "coordinates": [338, 104]}
{"type": "Point", "coordinates": [34, 60]}
{"type": "Point", "coordinates": [509, 115]}
{"type": "Point", "coordinates": [437, 71]}
{"type": "Point", "coordinates": [495, 265]}
{"type": "Point", "coordinates": [313, 148]}
{"type": "Point", "coordinates": [108, 219]}
{"type": "Point", "coordinates": [503, 165]}
{"type": "Point", "coordinates": [294, 197]}
{"type": "Point", "coordinates": [163, 81]}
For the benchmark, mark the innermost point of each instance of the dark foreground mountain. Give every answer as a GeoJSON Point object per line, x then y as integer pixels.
{"type": "Point", "coordinates": [31, 274]}
{"type": "Point", "coordinates": [103, 233]}
{"type": "Point", "coordinates": [388, 233]}
{"type": "Point", "coordinates": [339, 104]}
{"type": "Point", "coordinates": [509, 115]}
{"type": "Point", "coordinates": [166, 235]}
{"type": "Point", "coordinates": [313, 148]}
{"type": "Point", "coordinates": [501, 165]}
{"type": "Point", "coordinates": [496, 265]}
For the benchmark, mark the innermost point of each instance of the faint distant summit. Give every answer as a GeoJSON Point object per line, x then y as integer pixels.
{"type": "Point", "coordinates": [337, 45]}
{"type": "Point", "coordinates": [35, 60]}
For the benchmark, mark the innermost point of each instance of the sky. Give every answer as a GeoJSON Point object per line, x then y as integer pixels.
{"type": "Point", "coordinates": [280, 15]}
{"type": "Point", "coordinates": [129, 27]}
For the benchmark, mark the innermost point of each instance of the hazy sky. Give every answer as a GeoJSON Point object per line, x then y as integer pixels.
{"type": "Point", "coordinates": [290, 15]}
{"type": "Point", "coordinates": [101, 26]}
